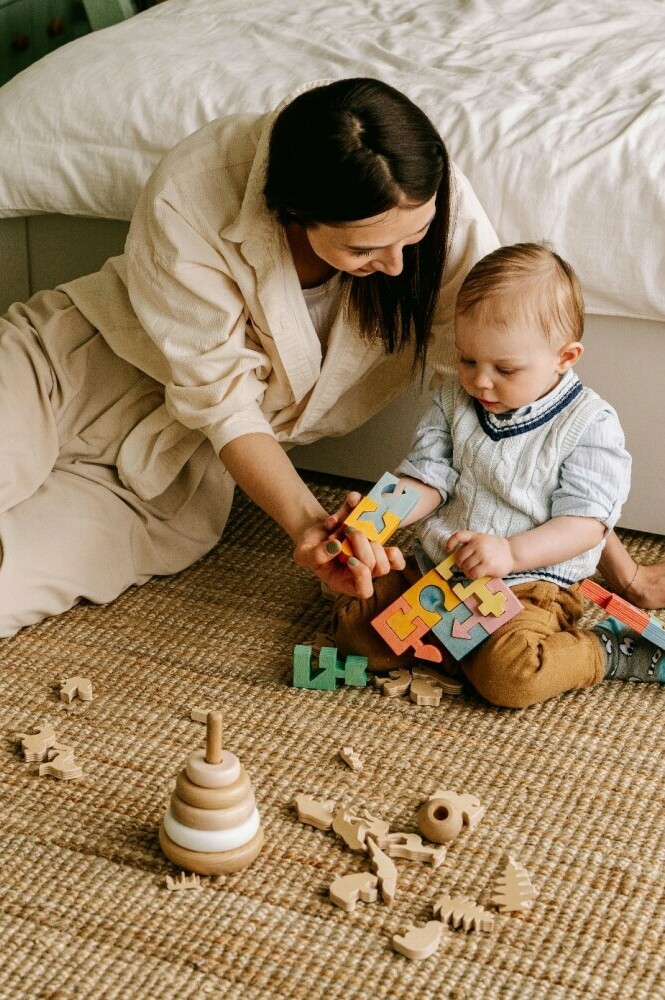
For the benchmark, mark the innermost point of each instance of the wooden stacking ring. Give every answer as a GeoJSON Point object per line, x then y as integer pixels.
{"type": "Point", "coordinates": [211, 841]}
{"type": "Point", "coordinates": [213, 798]}
{"type": "Point", "coordinates": [439, 820]}
{"type": "Point", "coordinates": [212, 775]}
{"type": "Point", "coordinates": [211, 864]}
{"type": "Point", "coordinates": [212, 819]}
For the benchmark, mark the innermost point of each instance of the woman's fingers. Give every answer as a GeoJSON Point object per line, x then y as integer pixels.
{"type": "Point", "coordinates": [362, 578]}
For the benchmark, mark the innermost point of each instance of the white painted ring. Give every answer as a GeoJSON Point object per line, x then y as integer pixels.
{"type": "Point", "coordinates": [207, 775]}
{"type": "Point", "coordinates": [211, 841]}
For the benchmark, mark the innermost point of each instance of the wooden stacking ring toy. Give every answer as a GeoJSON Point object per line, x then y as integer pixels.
{"type": "Point", "coordinates": [212, 825]}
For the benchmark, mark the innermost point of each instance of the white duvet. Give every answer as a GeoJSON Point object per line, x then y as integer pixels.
{"type": "Point", "coordinates": [555, 110]}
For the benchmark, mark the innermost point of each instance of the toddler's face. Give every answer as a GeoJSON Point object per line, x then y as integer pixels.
{"type": "Point", "coordinates": [505, 369]}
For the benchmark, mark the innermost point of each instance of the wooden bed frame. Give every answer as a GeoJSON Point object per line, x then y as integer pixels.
{"type": "Point", "coordinates": [623, 362]}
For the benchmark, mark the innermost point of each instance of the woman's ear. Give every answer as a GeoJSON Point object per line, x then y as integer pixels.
{"type": "Point", "coordinates": [569, 355]}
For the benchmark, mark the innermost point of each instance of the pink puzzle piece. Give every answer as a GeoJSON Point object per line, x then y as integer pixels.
{"type": "Point", "coordinates": [489, 622]}
{"type": "Point", "coordinates": [411, 641]}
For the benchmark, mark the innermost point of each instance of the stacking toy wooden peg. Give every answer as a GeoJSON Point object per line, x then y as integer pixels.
{"type": "Point", "coordinates": [212, 825]}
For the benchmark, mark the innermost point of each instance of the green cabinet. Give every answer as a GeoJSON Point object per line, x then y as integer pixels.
{"type": "Point", "coordinates": [31, 28]}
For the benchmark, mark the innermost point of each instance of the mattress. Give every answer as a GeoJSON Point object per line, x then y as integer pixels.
{"type": "Point", "coordinates": [554, 110]}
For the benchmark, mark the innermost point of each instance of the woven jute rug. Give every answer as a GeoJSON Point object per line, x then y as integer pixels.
{"type": "Point", "coordinates": [574, 790]}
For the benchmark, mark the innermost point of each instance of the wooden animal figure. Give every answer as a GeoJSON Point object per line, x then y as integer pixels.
{"type": "Point", "coordinates": [411, 847]}
{"type": "Point", "coordinates": [385, 870]}
{"type": "Point", "coordinates": [60, 763]}
{"type": "Point", "coordinates": [314, 813]}
{"type": "Point", "coordinates": [35, 745]}
{"type": "Point", "coordinates": [76, 687]}
{"type": "Point", "coordinates": [419, 942]}
{"type": "Point", "coordinates": [347, 890]}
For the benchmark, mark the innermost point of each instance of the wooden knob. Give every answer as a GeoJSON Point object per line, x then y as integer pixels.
{"type": "Point", "coordinates": [19, 43]}
{"type": "Point", "coordinates": [54, 27]}
{"type": "Point", "coordinates": [214, 738]}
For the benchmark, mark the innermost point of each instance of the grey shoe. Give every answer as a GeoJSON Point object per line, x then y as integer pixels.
{"type": "Point", "coordinates": [629, 656]}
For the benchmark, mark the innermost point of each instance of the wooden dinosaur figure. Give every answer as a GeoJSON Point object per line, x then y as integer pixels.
{"type": "Point", "coordinates": [314, 813]}
{"type": "Point", "coordinates": [460, 911]}
{"type": "Point", "coordinates": [410, 846]}
{"type": "Point", "coordinates": [514, 892]}
{"type": "Point", "coordinates": [352, 830]}
{"type": "Point", "coordinates": [385, 870]}
{"type": "Point", "coordinates": [60, 763]}
{"type": "Point", "coordinates": [36, 745]}
{"type": "Point", "coordinates": [419, 942]}
{"type": "Point", "coordinates": [76, 687]}
{"type": "Point", "coordinates": [347, 890]}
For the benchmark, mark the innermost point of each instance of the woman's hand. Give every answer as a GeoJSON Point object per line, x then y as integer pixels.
{"type": "Point", "coordinates": [319, 546]}
{"type": "Point", "coordinates": [479, 555]}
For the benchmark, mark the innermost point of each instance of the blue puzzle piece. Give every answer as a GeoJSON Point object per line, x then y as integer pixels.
{"type": "Point", "coordinates": [353, 672]}
{"type": "Point", "coordinates": [655, 633]}
{"type": "Point", "coordinates": [443, 631]}
{"type": "Point", "coordinates": [383, 494]}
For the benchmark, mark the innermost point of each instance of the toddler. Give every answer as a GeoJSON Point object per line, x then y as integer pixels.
{"type": "Point", "coordinates": [522, 471]}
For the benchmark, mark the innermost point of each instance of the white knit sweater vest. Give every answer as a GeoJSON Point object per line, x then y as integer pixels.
{"type": "Point", "coordinates": [507, 477]}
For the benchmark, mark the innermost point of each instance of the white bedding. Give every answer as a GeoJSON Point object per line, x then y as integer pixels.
{"type": "Point", "coordinates": [555, 111]}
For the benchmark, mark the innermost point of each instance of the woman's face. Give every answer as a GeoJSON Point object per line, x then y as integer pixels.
{"type": "Point", "coordinates": [369, 245]}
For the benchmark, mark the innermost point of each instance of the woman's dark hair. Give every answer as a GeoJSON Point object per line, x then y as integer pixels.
{"type": "Point", "coordinates": [353, 149]}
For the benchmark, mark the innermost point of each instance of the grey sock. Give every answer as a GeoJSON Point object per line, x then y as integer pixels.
{"type": "Point", "coordinates": [629, 656]}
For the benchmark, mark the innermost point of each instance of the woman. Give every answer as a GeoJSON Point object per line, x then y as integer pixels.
{"type": "Point", "coordinates": [284, 277]}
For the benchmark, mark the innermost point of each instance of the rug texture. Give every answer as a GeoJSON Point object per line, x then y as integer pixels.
{"type": "Point", "coordinates": [573, 789]}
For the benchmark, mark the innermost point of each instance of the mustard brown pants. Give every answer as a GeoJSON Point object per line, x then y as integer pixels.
{"type": "Point", "coordinates": [538, 654]}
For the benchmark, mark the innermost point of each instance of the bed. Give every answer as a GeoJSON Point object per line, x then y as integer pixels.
{"type": "Point", "coordinates": [555, 111]}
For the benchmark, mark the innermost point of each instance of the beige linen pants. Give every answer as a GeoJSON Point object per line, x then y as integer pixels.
{"type": "Point", "coordinates": [69, 529]}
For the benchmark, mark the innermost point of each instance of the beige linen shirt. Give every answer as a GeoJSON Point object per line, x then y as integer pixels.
{"type": "Point", "coordinates": [206, 300]}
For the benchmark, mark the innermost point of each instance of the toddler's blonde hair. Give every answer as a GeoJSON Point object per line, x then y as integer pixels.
{"type": "Point", "coordinates": [525, 281]}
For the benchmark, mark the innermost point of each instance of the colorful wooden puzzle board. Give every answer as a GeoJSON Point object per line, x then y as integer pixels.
{"type": "Point", "coordinates": [461, 615]}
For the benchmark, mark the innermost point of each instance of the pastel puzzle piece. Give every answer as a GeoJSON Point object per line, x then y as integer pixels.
{"type": "Point", "coordinates": [512, 607]}
{"type": "Point", "coordinates": [378, 515]}
{"type": "Point", "coordinates": [324, 677]}
{"type": "Point", "coordinates": [649, 626]}
{"type": "Point", "coordinates": [428, 599]}
{"type": "Point", "coordinates": [655, 632]}
{"type": "Point", "coordinates": [411, 641]}
{"type": "Point", "coordinates": [461, 630]}
{"type": "Point", "coordinates": [490, 603]}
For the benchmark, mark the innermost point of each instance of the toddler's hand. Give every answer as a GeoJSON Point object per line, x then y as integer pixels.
{"type": "Point", "coordinates": [479, 555]}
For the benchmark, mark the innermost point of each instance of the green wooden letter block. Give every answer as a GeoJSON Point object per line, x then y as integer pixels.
{"type": "Point", "coordinates": [353, 672]}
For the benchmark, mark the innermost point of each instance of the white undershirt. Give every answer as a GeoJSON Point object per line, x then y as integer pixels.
{"type": "Point", "coordinates": [323, 302]}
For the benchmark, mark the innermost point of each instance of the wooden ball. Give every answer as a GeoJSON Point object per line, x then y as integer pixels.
{"type": "Point", "coordinates": [439, 821]}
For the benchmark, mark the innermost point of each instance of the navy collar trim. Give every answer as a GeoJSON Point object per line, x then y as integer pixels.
{"type": "Point", "coordinates": [542, 574]}
{"type": "Point", "coordinates": [497, 433]}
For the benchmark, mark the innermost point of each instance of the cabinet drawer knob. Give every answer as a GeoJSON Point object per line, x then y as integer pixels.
{"type": "Point", "coordinates": [19, 43]}
{"type": "Point", "coordinates": [54, 27]}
